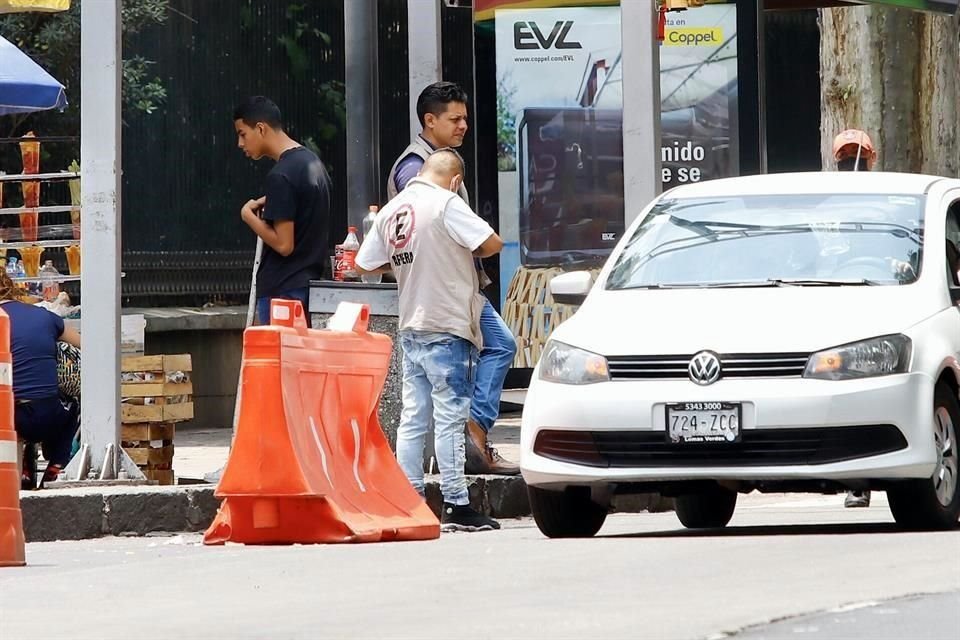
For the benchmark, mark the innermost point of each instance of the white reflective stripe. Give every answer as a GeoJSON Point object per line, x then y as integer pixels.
{"type": "Point", "coordinates": [356, 453]}
{"type": "Point", "coordinates": [8, 452]}
{"type": "Point", "coordinates": [323, 456]}
{"type": "Point", "coordinates": [6, 374]}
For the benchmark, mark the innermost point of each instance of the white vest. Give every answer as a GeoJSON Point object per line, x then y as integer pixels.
{"type": "Point", "coordinates": [436, 276]}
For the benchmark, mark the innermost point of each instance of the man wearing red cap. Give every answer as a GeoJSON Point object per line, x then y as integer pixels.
{"type": "Point", "coordinates": [853, 150]}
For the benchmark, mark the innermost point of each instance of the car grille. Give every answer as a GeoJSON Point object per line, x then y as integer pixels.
{"type": "Point", "coordinates": [757, 365]}
{"type": "Point", "coordinates": [759, 447]}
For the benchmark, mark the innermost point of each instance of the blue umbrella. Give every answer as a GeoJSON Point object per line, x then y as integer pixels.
{"type": "Point", "coordinates": [24, 86]}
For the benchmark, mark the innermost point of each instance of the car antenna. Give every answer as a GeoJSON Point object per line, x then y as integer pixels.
{"type": "Point", "coordinates": [856, 163]}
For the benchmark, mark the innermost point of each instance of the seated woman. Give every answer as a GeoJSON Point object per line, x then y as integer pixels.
{"type": "Point", "coordinates": [39, 414]}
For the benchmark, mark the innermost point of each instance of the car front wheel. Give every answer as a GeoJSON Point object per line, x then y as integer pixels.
{"type": "Point", "coordinates": [571, 513]}
{"type": "Point", "coordinates": [709, 508]}
{"type": "Point", "coordinates": [934, 503]}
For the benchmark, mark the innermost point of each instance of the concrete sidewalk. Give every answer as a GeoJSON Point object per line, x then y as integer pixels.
{"type": "Point", "coordinates": [77, 513]}
{"type": "Point", "coordinates": [200, 451]}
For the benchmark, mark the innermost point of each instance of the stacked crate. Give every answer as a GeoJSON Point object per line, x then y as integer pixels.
{"type": "Point", "coordinates": [157, 393]}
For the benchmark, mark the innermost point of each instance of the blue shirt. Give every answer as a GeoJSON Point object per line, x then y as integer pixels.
{"type": "Point", "coordinates": [33, 341]}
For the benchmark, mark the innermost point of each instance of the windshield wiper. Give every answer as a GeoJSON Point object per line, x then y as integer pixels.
{"type": "Point", "coordinates": [770, 282]}
{"type": "Point", "coordinates": [826, 282]}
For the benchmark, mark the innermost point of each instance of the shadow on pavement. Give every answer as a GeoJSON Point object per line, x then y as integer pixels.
{"type": "Point", "coordinates": [858, 528]}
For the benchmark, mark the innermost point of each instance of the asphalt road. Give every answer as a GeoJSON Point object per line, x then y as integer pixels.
{"type": "Point", "coordinates": [787, 567]}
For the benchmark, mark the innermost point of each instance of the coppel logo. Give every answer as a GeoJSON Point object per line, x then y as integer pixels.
{"type": "Point", "coordinates": [693, 37]}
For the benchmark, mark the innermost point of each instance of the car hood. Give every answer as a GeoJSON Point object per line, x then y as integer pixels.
{"type": "Point", "coordinates": [749, 320]}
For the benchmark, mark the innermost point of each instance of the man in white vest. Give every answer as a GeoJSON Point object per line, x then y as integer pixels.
{"type": "Point", "coordinates": [428, 236]}
{"type": "Point", "coordinates": [442, 110]}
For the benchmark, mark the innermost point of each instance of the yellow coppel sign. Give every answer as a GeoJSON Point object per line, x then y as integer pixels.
{"type": "Point", "coordinates": [693, 37]}
{"type": "Point", "coordinates": [24, 6]}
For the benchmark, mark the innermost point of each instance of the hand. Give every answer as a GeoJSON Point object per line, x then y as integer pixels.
{"type": "Point", "coordinates": [251, 210]}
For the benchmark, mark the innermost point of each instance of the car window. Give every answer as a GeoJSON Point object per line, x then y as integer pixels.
{"type": "Point", "coordinates": [953, 244]}
{"type": "Point", "coordinates": [782, 240]}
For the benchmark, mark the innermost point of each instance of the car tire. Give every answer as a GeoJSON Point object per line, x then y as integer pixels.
{"type": "Point", "coordinates": [934, 503]}
{"type": "Point", "coordinates": [709, 508]}
{"type": "Point", "coordinates": [571, 513]}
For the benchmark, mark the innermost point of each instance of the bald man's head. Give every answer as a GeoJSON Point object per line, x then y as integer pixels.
{"type": "Point", "coordinates": [444, 168]}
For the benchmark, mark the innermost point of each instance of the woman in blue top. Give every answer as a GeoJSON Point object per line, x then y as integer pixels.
{"type": "Point", "coordinates": [39, 414]}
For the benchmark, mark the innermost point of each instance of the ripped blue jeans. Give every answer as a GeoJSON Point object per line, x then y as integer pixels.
{"type": "Point", "coordinates": [438, 380]}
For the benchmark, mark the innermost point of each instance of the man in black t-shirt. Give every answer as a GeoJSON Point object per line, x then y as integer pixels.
{"type": "Point", "coordinates": [292, 217]}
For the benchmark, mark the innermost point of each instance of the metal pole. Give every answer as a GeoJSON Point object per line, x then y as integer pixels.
{"type": "Point", "coordinates": [424, 51]}
{"type": "Point", "coordinates": [100, 168]}
{"type": "Point", "coordinates": [363, 157]}
{"type": "Point", "coordinates": [641, 106]}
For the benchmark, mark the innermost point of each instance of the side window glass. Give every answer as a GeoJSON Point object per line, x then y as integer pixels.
{"type": "Point", "coordinates": [953, 243]}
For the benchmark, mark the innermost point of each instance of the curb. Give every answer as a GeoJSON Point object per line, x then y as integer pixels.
{"type": "Point", "coordinates": [84, 513]}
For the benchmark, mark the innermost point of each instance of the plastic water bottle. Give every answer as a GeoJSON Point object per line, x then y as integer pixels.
{"type": "Point", "coordinates": [49, 279]}
{"type": "Point", "coordinates": [12, 267]}
{"type": "Point", "coordinates": [368, 221]}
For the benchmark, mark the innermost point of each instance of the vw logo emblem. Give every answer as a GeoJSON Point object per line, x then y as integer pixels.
{"type": "Point", "coordinates": [704, 368]}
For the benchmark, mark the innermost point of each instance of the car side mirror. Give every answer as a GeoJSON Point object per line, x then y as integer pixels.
{"type": "Point", "coordinates": [571, 288]}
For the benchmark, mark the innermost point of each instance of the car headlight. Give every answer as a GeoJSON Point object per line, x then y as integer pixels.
{"type": "Point", "coordinates": [875, 357]}
{"type": "Point", "coordinates": [568, 365]}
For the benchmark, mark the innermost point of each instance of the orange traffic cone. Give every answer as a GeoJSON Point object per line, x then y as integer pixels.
{"type": "Point", "coordinates": [12, 552]}
{"type": "Point", "coordinates": [310, 462]}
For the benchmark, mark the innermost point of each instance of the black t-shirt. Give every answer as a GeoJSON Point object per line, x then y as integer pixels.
{"type": "Point", "coordinates": [298, 189]}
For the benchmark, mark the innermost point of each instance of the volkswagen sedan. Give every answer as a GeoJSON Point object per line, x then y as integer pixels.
{"type": "Point", "coordinates": [782, 333]}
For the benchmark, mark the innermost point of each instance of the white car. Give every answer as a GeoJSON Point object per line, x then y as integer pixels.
{"type": "Point", "coordinates": [787, 333]}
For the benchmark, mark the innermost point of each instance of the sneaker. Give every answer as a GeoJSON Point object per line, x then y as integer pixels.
{"type": "Point", "coordinates": [857, 499]}
{"type": "Point", "coordinates": [51, 474]}
{"type": "Point", "coordinates": [457, 518]}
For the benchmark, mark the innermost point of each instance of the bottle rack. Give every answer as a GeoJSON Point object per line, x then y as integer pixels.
{"type": "Point", "coordinates": [44, 243]}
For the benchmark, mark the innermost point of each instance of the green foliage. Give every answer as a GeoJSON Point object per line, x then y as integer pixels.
{"type": "Point", "coordinates": [506, 125]}
{"type": "Point", "coordinates": [53, 41]}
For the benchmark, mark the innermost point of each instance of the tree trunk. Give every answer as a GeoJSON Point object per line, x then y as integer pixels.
{"type": "Point", "coordinates": [895, 74]}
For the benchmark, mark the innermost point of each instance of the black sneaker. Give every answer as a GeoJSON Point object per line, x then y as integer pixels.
{"type": "Point", "coordinates": [456, 518]}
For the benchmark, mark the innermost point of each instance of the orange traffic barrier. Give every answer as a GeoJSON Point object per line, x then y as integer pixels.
{"type": "Point", "coordinates": [11, 520]}
{"type": "Point", "coordinates": [309, 461]}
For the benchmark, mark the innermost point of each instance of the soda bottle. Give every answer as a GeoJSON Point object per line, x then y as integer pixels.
{"type": "Point", "coordinates": [49, 279]}
{"type": "Point", "coordinates": [338, 263]}
{"type": "Point", "coordinates": [351, 245]}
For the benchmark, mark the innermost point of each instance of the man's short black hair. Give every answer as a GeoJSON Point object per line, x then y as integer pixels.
{"type": "Point", "coordinates": [259, 109]}
{"type": "Point", "coordinates": [436, 97]}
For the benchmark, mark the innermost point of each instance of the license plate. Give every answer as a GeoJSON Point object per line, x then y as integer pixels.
{"type": "Point", "coordinates": [703, 422]}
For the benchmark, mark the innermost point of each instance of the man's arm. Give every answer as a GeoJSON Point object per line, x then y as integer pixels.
{"type": "Point", "coordinates": [490, 247]}
{"type": "Point", "coordinates": [407, 170]}
{"type": "Point", "coordinates": [271, 217]}
{"type": "Point", "coordinates": [278, 237]}
{"type": "Point", "coordinates": [372, 257]}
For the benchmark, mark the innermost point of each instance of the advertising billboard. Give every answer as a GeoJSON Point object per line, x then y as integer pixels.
{"type": "Point", "coordinates": [560, 139]}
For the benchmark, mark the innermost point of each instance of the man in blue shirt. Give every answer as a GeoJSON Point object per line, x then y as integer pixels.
{"type": "Point", "coordinates": [442, 110]}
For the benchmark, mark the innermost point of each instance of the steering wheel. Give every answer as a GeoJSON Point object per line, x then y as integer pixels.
{"type": "Point", "coordinates": [881, 265]}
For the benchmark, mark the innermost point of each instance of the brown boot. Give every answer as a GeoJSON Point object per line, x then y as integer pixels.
{"type": "Point", "coordinates": [482, 459]}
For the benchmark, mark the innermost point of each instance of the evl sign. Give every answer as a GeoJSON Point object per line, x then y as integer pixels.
{"type": "Point", "coordinates": [529, 35]}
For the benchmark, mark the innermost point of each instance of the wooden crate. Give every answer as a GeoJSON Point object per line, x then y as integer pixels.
{"type": "Point", "coordinates": [156, 400]}
{"type": "Point", "coordinates": [150, 446]}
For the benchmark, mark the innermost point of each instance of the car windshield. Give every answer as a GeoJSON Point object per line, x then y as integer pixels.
{"type": "Point", "coordinates": [778, 240]}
